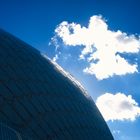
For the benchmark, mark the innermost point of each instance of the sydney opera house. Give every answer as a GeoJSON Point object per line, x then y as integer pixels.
{"type": "Point", "coordinates": [40, 101]}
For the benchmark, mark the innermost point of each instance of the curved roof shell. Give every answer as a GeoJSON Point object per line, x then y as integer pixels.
{"type": "Point", "coordinates": [40, 100]}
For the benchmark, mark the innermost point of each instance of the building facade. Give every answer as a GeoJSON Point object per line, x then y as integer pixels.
{"type": "Point", "coordinates": [40, 101]}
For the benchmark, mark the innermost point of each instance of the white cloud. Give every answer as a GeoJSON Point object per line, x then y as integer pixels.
{"type": "Point", "coordinates": [116, 131]}
{"type": "Point", "coordinates": [55, 58]}
{"type": "Point", "coordinates": [118, 107]}
{"type": "Point", "coordinates": [101, 46]}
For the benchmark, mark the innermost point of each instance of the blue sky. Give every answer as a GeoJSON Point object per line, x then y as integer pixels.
{"type": "Point", "coordinates": [93, 29]}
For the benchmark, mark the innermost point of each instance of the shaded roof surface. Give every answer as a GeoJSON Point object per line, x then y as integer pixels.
{"type": "Point", "coordinates": [39, 101]}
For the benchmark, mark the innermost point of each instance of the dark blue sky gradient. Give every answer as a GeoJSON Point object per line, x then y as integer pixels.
{"type": "Point", "coordinates": [35, 20]}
